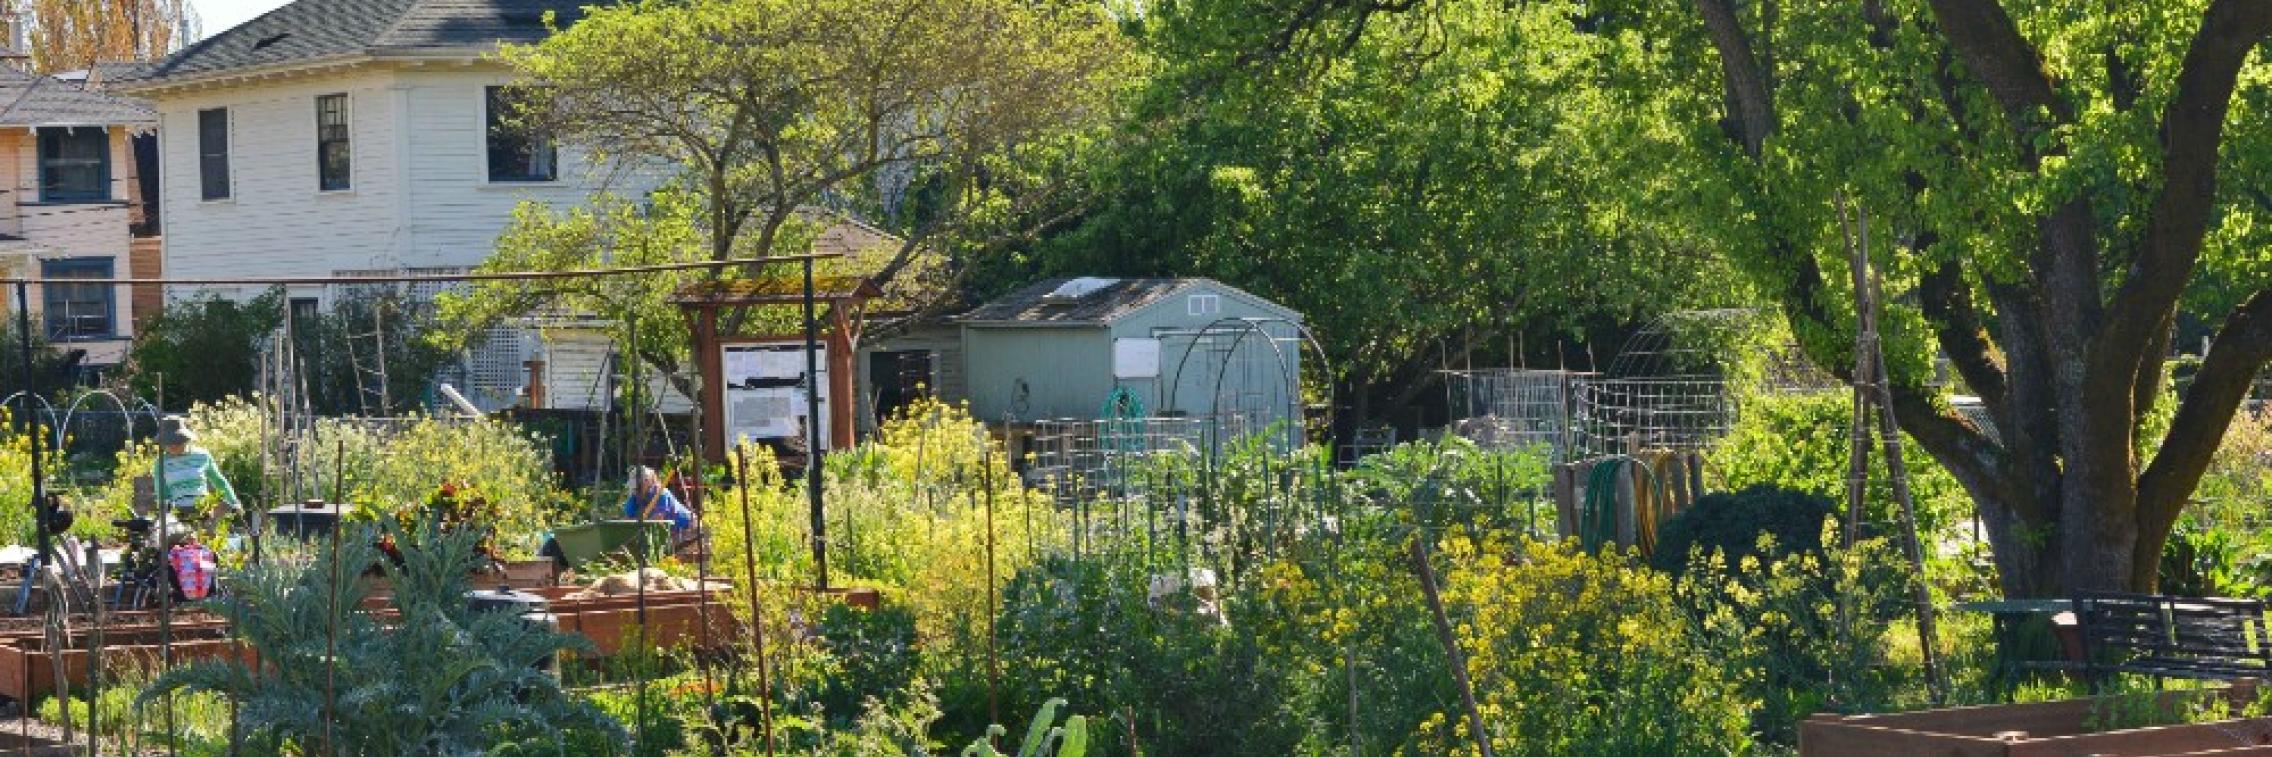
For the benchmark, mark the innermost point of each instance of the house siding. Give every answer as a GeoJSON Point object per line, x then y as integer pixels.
{"type": "Point", "coordinates": [421, 198]}
{"type": "Point", "coordinates": [276, 222]}
{"type": "Point", "coordinates": [95, 229]}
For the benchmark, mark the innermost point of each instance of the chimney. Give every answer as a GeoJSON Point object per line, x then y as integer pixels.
{"type": "Point", "coordinates": [18, 54]}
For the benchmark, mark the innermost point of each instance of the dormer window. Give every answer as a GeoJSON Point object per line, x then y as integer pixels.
{"type": "Point", "coordinates": [74, 164]}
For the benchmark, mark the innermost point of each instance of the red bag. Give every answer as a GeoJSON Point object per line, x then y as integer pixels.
{"type": "Point", "coordinates": [194, 566]}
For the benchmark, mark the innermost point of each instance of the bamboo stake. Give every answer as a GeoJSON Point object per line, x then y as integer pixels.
{"type": "Point", "coordinates": [993, 655]}
{"type": "Point", "coordinates": [756, 609]}
{"type": "Point", "coordinates": [1889, 433]}
{"type": "Point", "coordinates": [1452, 654]}
{"type": "Point", "coordinates": [331, 620]}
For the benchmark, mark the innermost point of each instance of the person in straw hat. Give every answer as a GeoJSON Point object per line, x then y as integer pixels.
{"type": "Point", "coordinates": [187, 475]}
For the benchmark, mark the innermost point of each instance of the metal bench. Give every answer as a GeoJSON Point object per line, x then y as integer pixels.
{"type": "Point", "coordinates": [2172, 637]}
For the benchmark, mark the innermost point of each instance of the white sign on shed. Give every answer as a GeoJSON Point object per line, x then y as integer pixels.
{"type": "Point", "coordinates": [1135, 358]}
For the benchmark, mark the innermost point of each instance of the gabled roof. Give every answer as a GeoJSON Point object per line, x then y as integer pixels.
{"type": "Point", "coordinates": [310, 31]}
{"type": "Point", "coordinates": [1102, 301]}
{"type": "Point", "coordinates": [33, 100]}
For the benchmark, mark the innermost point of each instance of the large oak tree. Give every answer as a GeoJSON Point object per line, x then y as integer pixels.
{"type": "Point", "coordinates": [2051, 183]}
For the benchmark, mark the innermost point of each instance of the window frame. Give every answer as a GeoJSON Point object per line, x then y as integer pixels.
{"type": "Point", "coordinates": [213, 165]}
{"type": "Point", "coordinates": [42, 160]}
{"type": "Point", "coordinates": [343, 140]}
{"type": "Point", "coordinates": [527, 143]}
{"type": "Point", "coordinates": [100, 268]}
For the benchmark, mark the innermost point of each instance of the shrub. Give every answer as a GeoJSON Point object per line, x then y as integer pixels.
{"type": "Point", "coordinates": [1806, 631]}
{"type": "Point", "coordinates": [394, 471]}
{"type": "Point", "coordinates": [1581, 654]}
{"type": "Point", "coordinates": [1799, 441]}
{"type": "Point", "coordinates": [442, 679]}
{"type": "Point", "coordinates": [201, 349]}
{"type": "Point", "coordinates": [1732, 523]}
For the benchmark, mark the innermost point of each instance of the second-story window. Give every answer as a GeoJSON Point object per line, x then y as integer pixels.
{"type": "Point", "coordinates": [333, 156]}
{"type": "Point", "coordinates": [213, 153]}
{"type": "Point", "coordinates": [517, 152]}
{"type": "Point", "coordinates": [74, 164]}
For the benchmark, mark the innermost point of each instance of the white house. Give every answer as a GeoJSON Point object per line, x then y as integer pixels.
{"type": "Point", "coordinates": [346, 137]}
{"type": "Point", "coordinates": [334, 136]}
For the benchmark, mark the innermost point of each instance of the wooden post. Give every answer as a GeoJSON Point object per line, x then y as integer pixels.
{"type": "Point", "coordinates": [710, 367]}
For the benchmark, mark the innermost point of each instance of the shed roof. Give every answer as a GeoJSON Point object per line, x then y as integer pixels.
{"type": "Point", "coordinates": [35, 100]}
{"type": "Point", "coordinates": [1103, 304]}
{"type": "Point", "coordinates": [313, 30]}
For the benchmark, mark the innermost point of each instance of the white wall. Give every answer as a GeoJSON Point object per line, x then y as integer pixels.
{"type": "Point", "coordinates": [276, 221]}
{"type": "Point", "coordinates": [421, 196]}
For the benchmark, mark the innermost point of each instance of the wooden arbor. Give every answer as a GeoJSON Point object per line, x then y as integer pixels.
{"type": "Point", "coordinates": [843, 296]}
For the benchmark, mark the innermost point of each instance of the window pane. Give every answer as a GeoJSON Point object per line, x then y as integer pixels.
{"type": "Point", "coordinates": [213, 152]}
{"type": "Point", "coordinates": [516, 152]}
{"type": "Point", "coordinates": [77, 311]}
{"type": "Point", "coordinates": [332, 152]}
{"type": "Point", "coordinates": [74, 164]}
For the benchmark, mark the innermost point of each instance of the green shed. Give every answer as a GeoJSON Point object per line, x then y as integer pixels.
{"type": "Point", "coordinates": [1077, 348]}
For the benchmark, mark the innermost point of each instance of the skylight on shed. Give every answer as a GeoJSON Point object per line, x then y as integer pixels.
{"type": "Point", "coordinates": [1074, 290]}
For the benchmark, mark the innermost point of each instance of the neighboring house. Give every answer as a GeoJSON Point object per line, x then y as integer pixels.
{"type": "Point", "coordinates": [359, 137]}
{"type": "Point", "coordinates": [1069, 348]}
{"type": "Point", "coordinates": [77, 208]}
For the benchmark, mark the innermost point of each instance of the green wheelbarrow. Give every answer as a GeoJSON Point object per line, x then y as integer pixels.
{"type": "Point", "coordinates": [583, 543]}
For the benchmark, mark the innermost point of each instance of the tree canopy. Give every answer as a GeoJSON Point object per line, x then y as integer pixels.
{"type": "Point", "coordinates": [1430, 189]}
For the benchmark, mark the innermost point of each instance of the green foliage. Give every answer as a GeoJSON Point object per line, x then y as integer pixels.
{"type": "Point", "coordinates": [393, 470]}
{"type": "Point", "coordinates": [1043, 738]}
{"type": "Point", "coordinates": [199, 723]}
{"type": "Point", "coordinates": [16, 484]}
{"type": "Point", "coordinates": [1580, 654]}
{"type": "Point", "coordinates": [441, 679]}
{"type": "Point", "coordinates": [1801, 441]}
{"type": "Point", "coordinates": [1804, 630]}
{"type": "Point", "coordinates": [1425, 179]}
{"type": "Point", "coordinates": [928, 117]}
{"type": "Point", "coordinates": [1757, 522]}
{"type": "Point", "coordinates": [57, 366]}
{"type": "Point", "coordinates": [201, 349]}
{"type": "Point", "coordinates": [2220, 547]}
{"type": "Point", "coordinates": [340, 347]}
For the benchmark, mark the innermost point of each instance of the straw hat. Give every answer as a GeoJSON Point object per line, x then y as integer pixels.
{"type": "Point", "coordinates": [174, 429]}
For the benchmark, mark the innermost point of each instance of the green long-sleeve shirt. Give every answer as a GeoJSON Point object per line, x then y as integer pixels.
{"type": "Point", "coordinates": [186, 478]}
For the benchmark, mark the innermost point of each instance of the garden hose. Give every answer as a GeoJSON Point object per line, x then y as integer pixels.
{"type": "Point", "coordinates": [1598, 515]}
{"type": "Point", "coordinates": [1597, 521]}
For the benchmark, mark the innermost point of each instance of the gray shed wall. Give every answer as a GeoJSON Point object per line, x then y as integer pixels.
{"type": "Point", "coordinates": [1067, 371]}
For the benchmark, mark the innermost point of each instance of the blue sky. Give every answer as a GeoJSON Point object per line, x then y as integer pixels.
{"type": "Point", "coordinates": [219, 15]}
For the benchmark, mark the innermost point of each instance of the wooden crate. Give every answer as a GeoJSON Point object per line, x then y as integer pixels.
{"type": "Point", "coordinates": [2036, 730]}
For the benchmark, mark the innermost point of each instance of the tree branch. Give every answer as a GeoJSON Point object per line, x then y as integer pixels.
{"type": "Point", "coordinates": [1751, 104]}
{"type": "Point", "coordinates": [1992, 47]}
{"type": "Point", "coordinates": [1947, 303]}
{"type": "Point", "coordinates": [2192, 132]}
{"type": "Point", "coordinates": [2242, 347]}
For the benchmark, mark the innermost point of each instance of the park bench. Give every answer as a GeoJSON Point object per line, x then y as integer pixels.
{"type": "Point", "coordinates": [2172, 637]}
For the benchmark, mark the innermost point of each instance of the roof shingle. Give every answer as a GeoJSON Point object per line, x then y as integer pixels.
{"type": "Point", "coordinates": [1033, 305]}
{"type": "Point", "coordinates": [32, 100]}
{"type": "Point", "coordinates": [309, 30]}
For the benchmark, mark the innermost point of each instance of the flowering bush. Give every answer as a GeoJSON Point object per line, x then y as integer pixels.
{"type": "Point", "coordinates": [388, 469]}
{"type": "Point", "coordinates": [1579, 654]}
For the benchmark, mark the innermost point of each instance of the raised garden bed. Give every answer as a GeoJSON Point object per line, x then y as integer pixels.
{"type": "Point", "coordinates": [2066, 727]}
{"type": "Point", "coordinates": [27, 663]}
